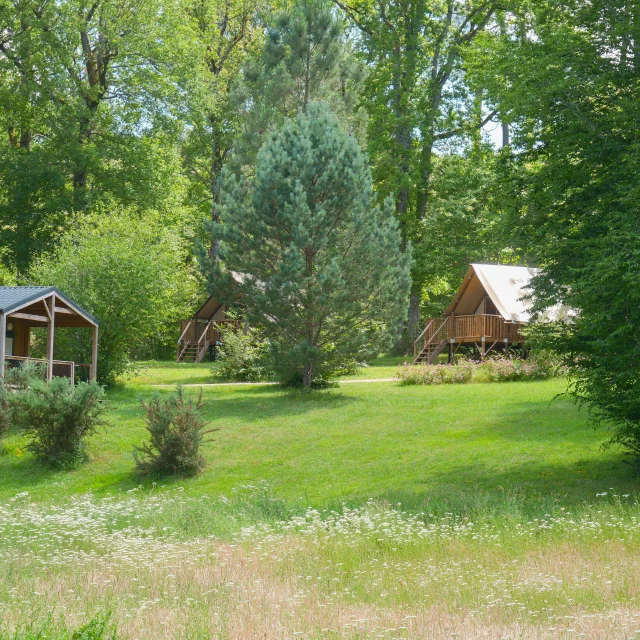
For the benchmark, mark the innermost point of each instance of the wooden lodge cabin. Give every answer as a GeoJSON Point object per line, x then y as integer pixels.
{"type": "Point", "coordinates": [487, 313]}
{"type": "Point", "coordinates": [22, 308]}
{"type": "Point", "coordinates": [201, 332]}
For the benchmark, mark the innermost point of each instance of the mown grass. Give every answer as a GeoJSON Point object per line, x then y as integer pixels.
{"type": "Point", "coordinates": [371, 510]}
{"type": "Point", "coordinates": [366, 440]}
{"type": "Point", "coordinates": [162, 373]}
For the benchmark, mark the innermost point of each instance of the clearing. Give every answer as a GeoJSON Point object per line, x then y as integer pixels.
{"type": "Point", "coordinates": [460, 509]}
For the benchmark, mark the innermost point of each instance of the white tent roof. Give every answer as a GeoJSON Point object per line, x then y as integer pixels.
{"type": "Point", "coordinates": [507, 286]}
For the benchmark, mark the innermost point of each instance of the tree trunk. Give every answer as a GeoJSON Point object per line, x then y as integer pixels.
{"type": "Point", "coordinates": [413, 326]}
{"type": "Point", "coordinates": [426, 169]}
{"type": "Point", "coordinates": [215, 174]}
{"type": "Point", "coordinates": [79, 190]}
{"type": "Point", "coordinates": [636, 36]}
{"type": "Point", "coordinates": [306, 376]}
{"type": "Point", "coordinates": [505, 134]}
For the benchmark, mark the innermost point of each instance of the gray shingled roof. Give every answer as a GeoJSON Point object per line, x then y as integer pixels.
{"type": "Point", "coordinates": [14, 298]}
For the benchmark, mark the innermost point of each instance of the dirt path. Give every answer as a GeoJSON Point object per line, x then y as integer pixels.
{"type": "Point", "coordinates": [240, 384]}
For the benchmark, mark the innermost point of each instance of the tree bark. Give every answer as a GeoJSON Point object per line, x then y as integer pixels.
{"type": "Point", "coordinates": [215, 173]}
{"type": "Point", "coordinates": [636, 36]}
{"type": "Point", "coordinates": [306, 376]}
{"type": "Point", "coordinates": [505, 134]}
{"type": "Point", "coordinates": [413, 324]}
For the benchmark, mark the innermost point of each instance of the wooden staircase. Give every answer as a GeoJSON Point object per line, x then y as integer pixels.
{"type": "Point", "coordinates": [194, 351]}
{"type": "Point", "coordinates": [431, 342]}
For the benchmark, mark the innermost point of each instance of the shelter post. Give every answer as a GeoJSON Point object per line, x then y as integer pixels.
{"type": "Point", "coordinates": [3, 340]}
{"type": "Point", "coordinates": [93, 370]}
{"type": "Point", "coordinates": [50, 306]}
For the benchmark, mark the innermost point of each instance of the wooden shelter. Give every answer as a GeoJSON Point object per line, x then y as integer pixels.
{"type": "Point", "coordinates": [202, 331]}
{"type": "Point", "coordinates": [487, 312]}
{"type": "Point", "coordinates": [22, 308]}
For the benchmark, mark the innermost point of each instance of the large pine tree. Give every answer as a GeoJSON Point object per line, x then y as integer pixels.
{"type": "Point", "coordinates": [324, 273]}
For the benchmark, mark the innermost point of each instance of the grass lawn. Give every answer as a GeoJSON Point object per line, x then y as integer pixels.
{"type": "Point", "coordinates": [372, 510]}
{"type": "Point", "coordinates": [152, 373]}
{"type": "Point", "coordinates": [368, 440]}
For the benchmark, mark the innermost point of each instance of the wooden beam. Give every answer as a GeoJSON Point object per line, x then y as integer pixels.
{"type": "Point", "coordinates": [65, 310]}
{"type": "Point", "coordinates": [50, 304]}
{"type": "Point", "coordinates": [93, 371]}
{"type": "Point", "coordinates": [3, 340]}
{"type": "Point", "coordinates": [29, 316]}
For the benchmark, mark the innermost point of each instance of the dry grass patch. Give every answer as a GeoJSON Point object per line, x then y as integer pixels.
{"type": "Point", "coordinates": [371, 572]}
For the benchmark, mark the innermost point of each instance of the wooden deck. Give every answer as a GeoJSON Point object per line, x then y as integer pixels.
{"type": "Point", "coordinates": [197, 335]}
{"type": "Point", "coordinates": [60, 368]}
{"type": "Point", "coordinates": [484, 331]}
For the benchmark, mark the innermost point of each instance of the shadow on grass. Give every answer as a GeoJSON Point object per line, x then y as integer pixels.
{"type": "Point", "coordinates": [527, 491]}
{"type": "Point", "coordinates": [244, 405]}
{"type": "Point", "coordinates": [250, 404]}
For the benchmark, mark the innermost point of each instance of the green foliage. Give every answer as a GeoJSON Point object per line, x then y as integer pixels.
{"type": "Point", "coordinates": [324, 274]}
{"type": "Point", "coordinates": [306, 58]}
{"type": "Point", "coordinates": [98, 628]}
{"type": "Point", "coordinates": [87, 96]}
{"type": "Point", "coordinates": [134, 275]}
{"type": "Point", "coordinates": [243, 355]}
{"type": "Point", "coordinates": [435, 373]}
{"type": "Point", "coordinates": [567, 76]}
{"type": "Point", "coordinates": [221, 36]}
{"type": "Point", "coordinates": [540, 366]}
{"type": "Point", "coordinates": [58, 416]}
{"type": "Point", "coordinates": [176, 428]}
{"type": "Point", "coordinates": [496, 368]}
{"type": "Point", "coordinates": [464, 223]}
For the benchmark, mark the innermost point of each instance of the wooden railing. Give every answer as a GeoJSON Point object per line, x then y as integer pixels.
{"type": "Point", "coordinates": [61, 368]}
{"type": "Point", "coordinates": [434, 332]}
{"type": "Point", "coordinates": [196, 336]}
{"type": "Point", "coordinates": [197, 331]}
{"type": "Point", "coordinates": [468, 328]}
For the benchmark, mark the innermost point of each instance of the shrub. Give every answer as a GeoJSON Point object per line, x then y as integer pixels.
{"type": "Point", "coordinates": [435, 373]}
{"type": "Point", "coordinates": [15, 379]}
{"type": "Point", "coordinates": [131, 273]}
{"type": "Point", "coordinates": [176, 428]}
{"type": "Point", "coordinates": [58, 415]}
{"type": "Point", "coordinates": [495, 369]}
{"type": "Point", "coordinates": [503, 369]}
{"type": "Point", "coordinates": [242, 355]}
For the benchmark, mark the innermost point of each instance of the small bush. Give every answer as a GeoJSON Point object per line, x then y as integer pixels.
{"type": "Point", "coordinates": [15, 379]}
{"type": "Point", "coordinates": [98, 628]}
{"type": "Point", "coordinates": [243, 355]}
{"type": "Point", "coordinates": [58, 415]}
{"type": "Point", "coordinates": [436, 373]}
{"type": "Point", "coordinates": [177, 429]}
{"type": "Point", "coordinates": [494, 369]}
{"type": "Point", "coordinates": [502, 369]}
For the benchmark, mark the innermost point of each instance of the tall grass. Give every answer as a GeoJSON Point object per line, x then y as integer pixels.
{"type": "Point", "coordinates": [243, 566]}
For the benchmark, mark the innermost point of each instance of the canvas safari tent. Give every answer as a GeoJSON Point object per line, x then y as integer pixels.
{"type": "Point", "coordinates": [200, 333]}
{"type": "Point", "coordinates": [23, 308]}
{"type": "Point", "coordinates": [487, 312]}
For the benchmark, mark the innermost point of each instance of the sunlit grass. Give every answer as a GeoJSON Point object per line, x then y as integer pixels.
{"type": "Point", "coordinates": [371, 572]}
{"type": "Point", "coordinates": [371, 510]}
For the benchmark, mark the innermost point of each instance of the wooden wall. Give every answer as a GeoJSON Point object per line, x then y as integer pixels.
{"type": "Point", "coordinates": [21, 337]}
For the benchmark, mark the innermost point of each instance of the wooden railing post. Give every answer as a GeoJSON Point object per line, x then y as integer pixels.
{"type": "Point", "coordinates": [3, 340]}
{"type": "Point", "coordinates": [51, 328]}
{"type": "Point", "coordinates": [93, 369]}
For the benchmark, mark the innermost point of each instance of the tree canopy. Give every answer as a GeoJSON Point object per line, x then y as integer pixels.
{"type": "Point", "coordinates": [321, 267]}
